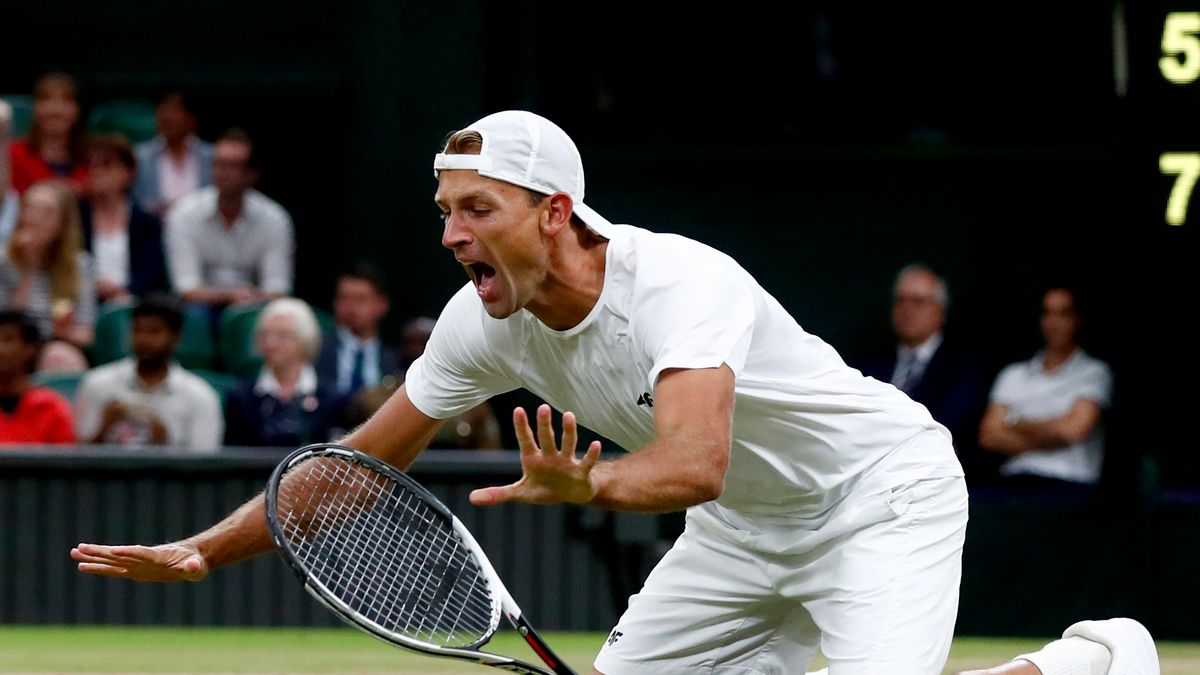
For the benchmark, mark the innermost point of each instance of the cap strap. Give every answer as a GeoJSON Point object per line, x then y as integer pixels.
{"type": "Point", "coordinates": [444, 162]}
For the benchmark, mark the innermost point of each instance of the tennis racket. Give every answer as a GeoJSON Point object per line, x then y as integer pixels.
{"type": "Point", "coordinates": [385, 555]}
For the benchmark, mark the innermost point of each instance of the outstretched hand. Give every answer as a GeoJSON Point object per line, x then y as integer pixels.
{"type": "Point", "coordinates": [551, 473]}
{"type": "Point", "coordinates": [165, 562]}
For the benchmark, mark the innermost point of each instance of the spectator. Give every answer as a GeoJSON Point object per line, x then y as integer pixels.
{"type": "Point", "coordinates": [125, 241]}
{"type": "Point", "coordinates": [476, 429]}
{"type": "Point", "coordinates": [946, 380]}
{"type": "Point", "coordinates": [8, 196]}
{"type": "Point", "coordinates": [1045, 413]}
{"type": "Point", "coordinates": [229, 243]}
{"type": "Point", "coordinates": [352, 356]}
{"type": "Point", "coordinates": [175, 162]}
{"type": "Point", "coordinates": [45, 271]}
{"type": "Point", "coordinates": [28, 414]}
{"type": "Point", "coordinates": [54, 146]}
{"type": "Point", "coordinates": [286, 405]}
{"type": "Point", "coordinates": [148, 398]}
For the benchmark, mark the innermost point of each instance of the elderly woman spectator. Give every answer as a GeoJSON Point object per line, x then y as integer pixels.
{"type": "Point", "coordinates": [45, 272]}
{"type": "Point", "coordinates": [284, 405]}
{"type": "Point", "coordinates": [54, 146]}
{"type": "Point", "coordinates": [126, 243]}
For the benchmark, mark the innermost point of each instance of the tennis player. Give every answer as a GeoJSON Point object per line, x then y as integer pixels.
{"type": "Point", "coordinates": [824, 509]}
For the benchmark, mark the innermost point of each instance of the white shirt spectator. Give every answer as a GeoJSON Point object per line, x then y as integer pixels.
{"type": "Point", "coordinates": [256, 251]}
{"type": "Point", "coordinates": [1031, 392]}
{"type": "Point", "coordinates": [187, 405]}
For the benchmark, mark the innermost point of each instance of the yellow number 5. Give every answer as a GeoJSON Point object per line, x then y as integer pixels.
{"type": "Point", "coordinates": [1180, 62]}
{"type": "Point", "coordinates": [1185, 166]}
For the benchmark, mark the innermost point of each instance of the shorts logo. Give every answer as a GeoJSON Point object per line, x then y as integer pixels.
{"type": "Point", "coordinates": [613, 637]}
{"type": "Point", "coordinates": [646, 400]}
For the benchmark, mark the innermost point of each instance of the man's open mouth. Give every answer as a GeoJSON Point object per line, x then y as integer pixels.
{"type": "Point", "coordinates": [481, 274]}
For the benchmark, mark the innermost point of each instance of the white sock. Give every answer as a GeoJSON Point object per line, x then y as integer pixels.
{"type": "Point", "coordinates": [1071, 656]}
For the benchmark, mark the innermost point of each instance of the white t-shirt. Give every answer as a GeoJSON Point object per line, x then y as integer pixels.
{"type": "Point", "coordinates": [112, 256]}
{"type": "Point", "coordinates": [1030, 392]}
{"type": "Point", "coordinates": [807, 428]}
{"type": "Point", "coordinates": [187, 405]}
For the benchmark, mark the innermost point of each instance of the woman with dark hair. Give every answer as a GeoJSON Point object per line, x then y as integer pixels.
{"type": "Point", "coordinates": [125, 241]}
{"type": "Point", "coordinates": [53, 147]}
{"type": "Point", "coordinates": [45, 271]}
{"type": "Point", "coordinates": [1045, 414]}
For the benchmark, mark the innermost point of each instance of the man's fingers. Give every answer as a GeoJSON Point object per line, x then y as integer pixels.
{"type": "Point", "coordinates": [546, 429]}
{"type": "Point", "coordinates": [591, 456]}
{"type": "Point", "coordinates": [103, 553]}
{"type": "Point", "coordinates": [525, 440]}
{"type": "Point", "coordinates": [103, 570]}
{"type": "Point", "coordinates": [101, 560]}
{"type": "Point", "coordinates": [490, 496]}
{"type": "Point", "coordinates": [570, 434]}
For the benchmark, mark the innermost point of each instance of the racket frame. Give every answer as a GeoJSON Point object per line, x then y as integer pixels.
{"type": "Point", "coordinates": [502, 600]}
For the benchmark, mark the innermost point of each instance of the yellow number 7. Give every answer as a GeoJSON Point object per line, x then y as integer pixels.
{"type": "Point", "coordinates": [1185, 166]}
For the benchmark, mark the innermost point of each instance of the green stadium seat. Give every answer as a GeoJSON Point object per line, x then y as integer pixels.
{"type": "Point", "coordinates": [235, 340]}
{"type": "Point", "coordinates": [22, 105]}
{"type": "Point", "coordinates": [197, 349]}
{"type": "Point", "coordinates": [326, 321]}
{"type": "Point", "coordinates": [132, 117]}
{"type": "Point", "coordinates": [114, 328]}
{"type": "Point", "coordinates": [63, 383]}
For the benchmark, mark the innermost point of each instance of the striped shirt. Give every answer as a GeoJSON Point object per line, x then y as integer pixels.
{"type": "Point", "coordinates": [39, 303]}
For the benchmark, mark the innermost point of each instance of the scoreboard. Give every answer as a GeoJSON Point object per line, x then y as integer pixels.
{"type": "Point", "coordinates": [1175, 129]}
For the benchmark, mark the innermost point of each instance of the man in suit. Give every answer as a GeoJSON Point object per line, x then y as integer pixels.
{"type": "Point", "coordinates": [175, 162]}
{"type": "Point", "coordinates": [352, 357]}
{"type": "Point", "coordinates": [945, 380]}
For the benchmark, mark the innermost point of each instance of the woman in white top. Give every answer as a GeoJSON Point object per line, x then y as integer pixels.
{"type": "Point", "coordinates": [125, 241]}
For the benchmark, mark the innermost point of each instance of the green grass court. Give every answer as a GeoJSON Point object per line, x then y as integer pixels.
{"type": "Point", "coordinates": [205, 650]}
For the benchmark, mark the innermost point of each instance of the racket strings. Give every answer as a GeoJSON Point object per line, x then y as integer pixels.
{"type": "Point", "coordinates": [383, 551]}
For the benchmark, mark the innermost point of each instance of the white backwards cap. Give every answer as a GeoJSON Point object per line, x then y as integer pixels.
{"type": "Point", "coordinates": [528, 150]}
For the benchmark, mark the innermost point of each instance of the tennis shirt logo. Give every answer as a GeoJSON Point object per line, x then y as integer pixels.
{"type": "Point", "coordinates": [613, 637]}
{"type": "Point", "coordinates": [646, 400]}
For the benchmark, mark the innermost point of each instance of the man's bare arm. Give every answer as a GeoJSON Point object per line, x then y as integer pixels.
{"type": "Point", "coordinates": [396, 433]}
{"type": "Point", "coordinates": [684, 465]}
{"type": "Point", "coordinates": [996, 435]}
{"type": "Point", "coordinates": [1061, 431]}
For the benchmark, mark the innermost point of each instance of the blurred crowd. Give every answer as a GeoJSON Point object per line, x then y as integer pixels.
{"type": "Point", "coordinates": [146, 296]}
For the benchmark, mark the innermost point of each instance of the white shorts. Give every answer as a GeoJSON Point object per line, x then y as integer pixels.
{"type": "Point", "coordinates": [875, 588]}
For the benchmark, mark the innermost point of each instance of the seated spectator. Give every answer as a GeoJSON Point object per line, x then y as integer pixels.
{"type": "Point", "coordinates": [230, 243]}
{"type": "Point", "coordinates": [352, 356]}
{"type": "Point", "coordinates": [54, 146]}
{"type": "Point", "coordinates": [125, 241]}
{"type": "Point", "coordinates": [175, 162]}
{"type": "Point", "coordinates": [286, 405]}
{"type": "Point", "coordinates": [946, 380]}
{"type": "Point", "coordinates": [45, 271]}
{"type": "Point", "coordinates": [148, 399]}
{"type": "Point", "coordinates": [476, 429]}
{"type": "Point", "coordinates": [8, 196]}
{"type": "Point", "coordinates": [1045, 413]}
{"type": "Point", "coordinates": [28, 414]}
